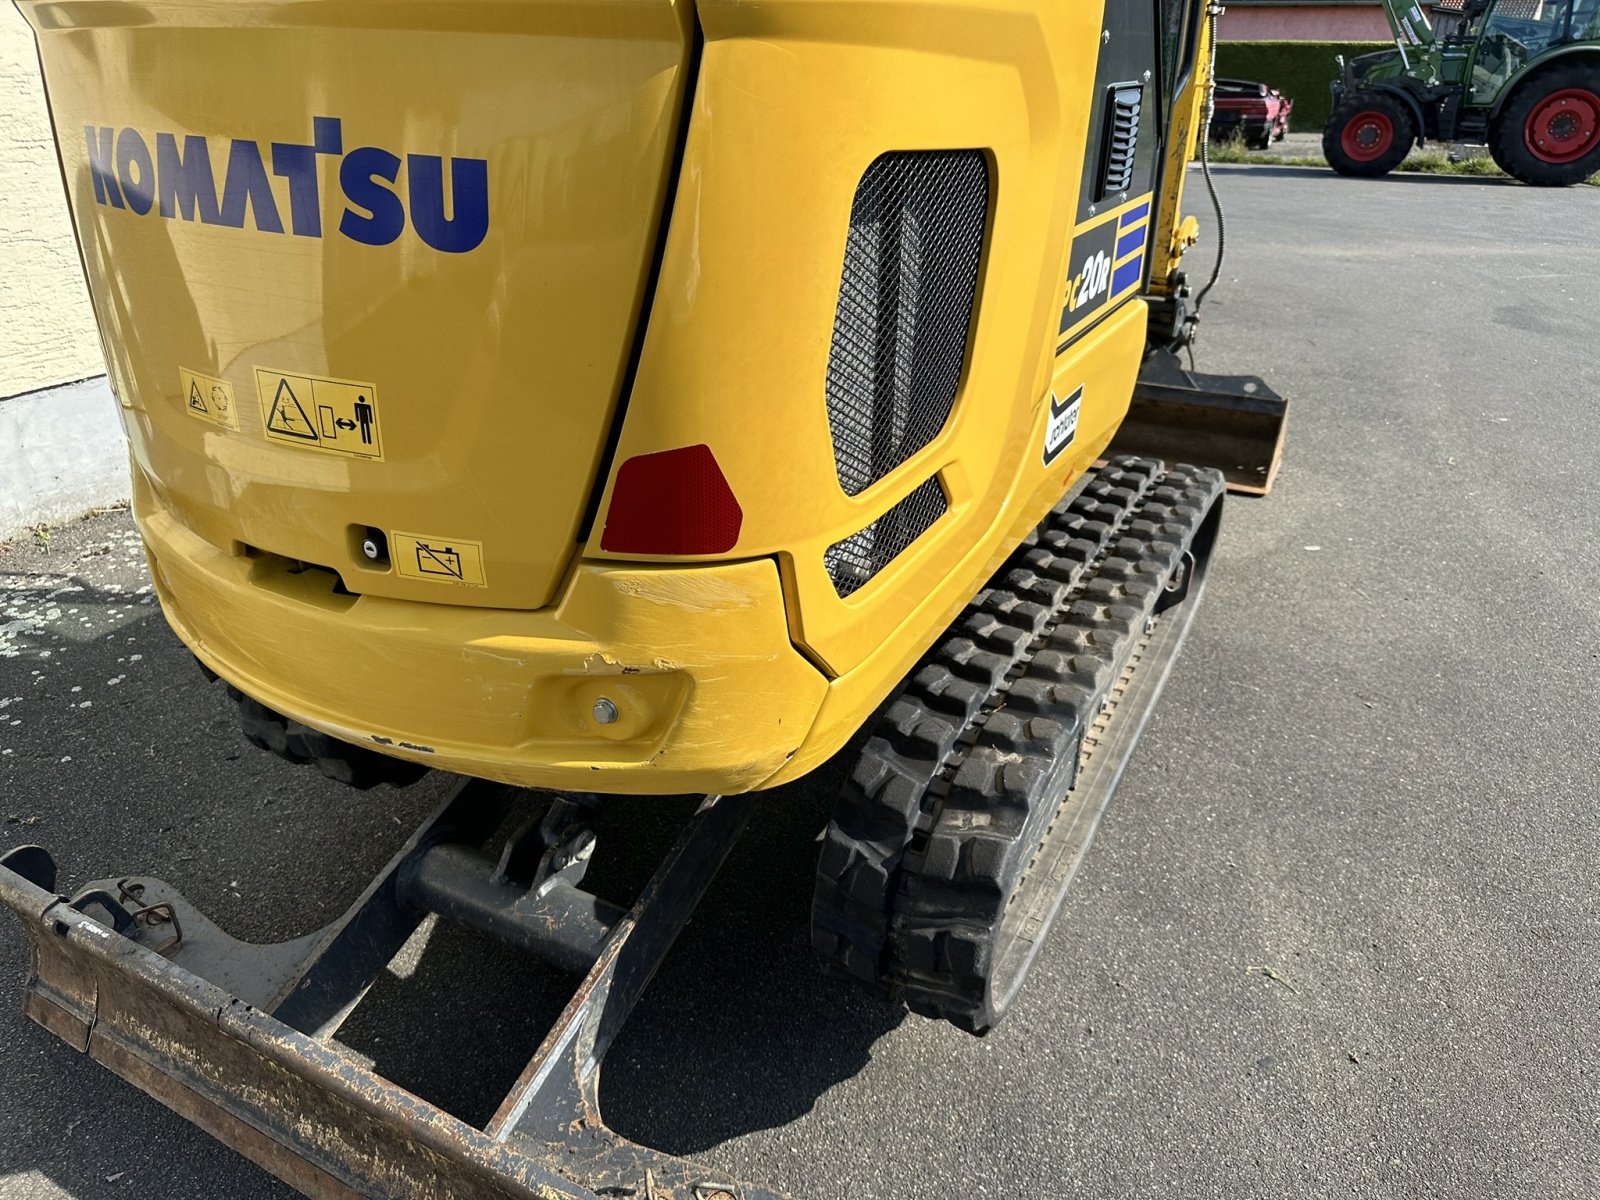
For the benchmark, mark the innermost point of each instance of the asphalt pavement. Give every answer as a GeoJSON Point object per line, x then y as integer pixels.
{"type": "Point", "coordinates": [1339, 933]}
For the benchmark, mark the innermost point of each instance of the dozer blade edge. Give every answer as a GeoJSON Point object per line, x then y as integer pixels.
{"type": "Point", "coordinates": [1234, 423]}
{"type": "Point", "coordinates": [253, 1063]}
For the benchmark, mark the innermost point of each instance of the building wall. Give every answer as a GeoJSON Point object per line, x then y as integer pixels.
{"type": "Point", "coordinates": [47, 333]}
{"type": "Point", "coordinates": [1303, 23]}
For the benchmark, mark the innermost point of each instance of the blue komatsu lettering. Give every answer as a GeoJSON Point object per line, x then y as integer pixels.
{"type": "Point", "coordinates": [180, 182]}
{"type": "Point", "coordinates": [187, 184]}
{"type": "Point", "coordinates": [327, 133]}
{"type": "Point", "coordinates": [135, 171]}
{"type": "Point", "coordinates": [247, 186]}
{"type": "Point", "coordinates": [102, 169]}
{"type": "Point", "coordinates": [298, 164]}
{"type": "Point", "coordinates": [359, 176]}
{"type": "Point", "coordinates": [469, 201]}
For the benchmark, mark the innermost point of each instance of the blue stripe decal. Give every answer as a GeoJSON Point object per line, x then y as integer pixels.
{"type": "Point", "coordinates": [1130, 241]}
{"type": "Point", "coordinates": [1136, 214]}
{"type": "Point", "coordinates": [1127, 274]}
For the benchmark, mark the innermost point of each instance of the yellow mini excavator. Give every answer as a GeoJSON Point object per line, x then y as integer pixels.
{"type": "Point", "coordinates": [590, 397]}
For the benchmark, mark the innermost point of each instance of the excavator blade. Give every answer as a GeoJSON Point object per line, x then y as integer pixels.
{"type": "Point", "coordinates": [1234, 423]}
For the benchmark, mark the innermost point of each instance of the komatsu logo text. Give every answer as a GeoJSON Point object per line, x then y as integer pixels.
{"type": "Point", "coordinates": [177, 179]}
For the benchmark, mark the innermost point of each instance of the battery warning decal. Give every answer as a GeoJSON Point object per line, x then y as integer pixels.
{"type": "Point", "coordinates": [339, 416]}
{"type": "Point", "coordinates": [208, 398]}
{"type": "Point", "coordinates": [456, 561]}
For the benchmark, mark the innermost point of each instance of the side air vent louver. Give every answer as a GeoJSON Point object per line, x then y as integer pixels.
{"type": "Point", "coordinates": [1122, 137]}
{"type": "Point", "coordinates": [852, 562]}
{"type": "Point", "coordinates": [905, 307]}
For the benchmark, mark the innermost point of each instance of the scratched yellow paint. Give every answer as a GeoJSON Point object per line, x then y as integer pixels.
{"type": "Point", "coordinates": [399, 383]}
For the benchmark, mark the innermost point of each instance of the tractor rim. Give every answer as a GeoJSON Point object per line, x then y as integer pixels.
{"type": "Point", "coordinates": [1367, 135]}
{"type": "Point", "coordinates": [1563, 127]}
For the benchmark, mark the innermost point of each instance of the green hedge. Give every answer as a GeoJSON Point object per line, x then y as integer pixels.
{"type": "Point", "coordinates": [1300, 70]}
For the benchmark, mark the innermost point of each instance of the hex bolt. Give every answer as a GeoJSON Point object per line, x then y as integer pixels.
{"type": "Point", "coordinates": [605, 712]}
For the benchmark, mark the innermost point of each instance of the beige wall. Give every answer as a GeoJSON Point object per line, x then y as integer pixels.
{"type": "Point", "coordinates": [47, 333]}
{"type": "Point", "coordinates": [1300, 22]}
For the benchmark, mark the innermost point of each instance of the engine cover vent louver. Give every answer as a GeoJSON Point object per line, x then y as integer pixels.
{"type": "Point", "coordinates": [905, 307]}
{"type": "Point", "coordinates": [1122, 137]}
{"type": "Point", "coordinates": [855, 560]}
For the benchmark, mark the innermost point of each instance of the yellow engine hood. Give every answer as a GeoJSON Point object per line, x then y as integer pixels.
{"type": "Point", "coordinates": [371, 265]}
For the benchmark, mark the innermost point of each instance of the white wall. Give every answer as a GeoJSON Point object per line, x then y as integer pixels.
{"type": "Point", "coordinates": [61, 453]}
{"type": "Point", "coordinates": [61, 447]}
{"type": "Point", "coordinates": [47, 333]}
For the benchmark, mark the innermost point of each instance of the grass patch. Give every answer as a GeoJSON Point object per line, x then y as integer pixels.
{"type": "Point", "coordinates": [1434, 161]}
{"type": "Point", "coordinates": [1233, 149]}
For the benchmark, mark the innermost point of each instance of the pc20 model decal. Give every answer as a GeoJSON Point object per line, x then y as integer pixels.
{"type": "Point", "coordinates": [1106, 267]}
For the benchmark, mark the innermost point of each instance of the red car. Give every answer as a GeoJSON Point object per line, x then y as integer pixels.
{"type": "Point", "coordinates": [1258, 113]}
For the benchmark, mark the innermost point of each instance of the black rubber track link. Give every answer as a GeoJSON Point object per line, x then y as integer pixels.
{"type": "Point", "coordinates": [356, 766]}
{"type": "Point", "coordinates": [936, 827]}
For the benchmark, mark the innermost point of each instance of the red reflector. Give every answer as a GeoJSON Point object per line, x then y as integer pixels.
{"type": "Point", "coordinates": [675, 502]}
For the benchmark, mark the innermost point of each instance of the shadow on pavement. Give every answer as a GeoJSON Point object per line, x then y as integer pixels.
{"type": "Point", "coordinates": [739, 1032]}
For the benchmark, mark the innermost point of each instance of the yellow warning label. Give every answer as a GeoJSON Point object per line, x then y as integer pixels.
{"type": "Point", "coordinates": [208, 398]}
{"type": "Point", "coordinates": [437, 559]}
{"type": "Point", "coordinates": [336, 415]}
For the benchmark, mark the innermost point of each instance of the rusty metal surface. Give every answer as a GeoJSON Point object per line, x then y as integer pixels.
{"type": "Point", "coordinates": [303, 1108]}
{"type": "Point", "coordinates": [308, 1110]}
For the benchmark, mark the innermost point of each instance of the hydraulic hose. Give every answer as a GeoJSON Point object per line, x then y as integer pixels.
{"type": "Point", "coordinates": [1213, 10]}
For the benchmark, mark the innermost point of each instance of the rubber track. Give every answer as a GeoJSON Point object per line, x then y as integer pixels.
{"type": "Point", "coordinates": [355, 766]}
{"type": "Point", "coordinates": [938, 821]}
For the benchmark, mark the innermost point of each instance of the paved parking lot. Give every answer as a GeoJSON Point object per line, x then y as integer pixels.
{"type": "Point", "coordinates": [1340, 932]}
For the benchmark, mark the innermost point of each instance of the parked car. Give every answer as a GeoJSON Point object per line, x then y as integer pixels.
{"type": "Point", "coordinates": [1254, 111]}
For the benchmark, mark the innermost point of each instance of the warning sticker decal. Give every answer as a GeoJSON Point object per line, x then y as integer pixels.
{"type": "Point", "coordinates": [208, 398]}
{"type": "Point", "coordinates": [1062, 426]}
{"type": "Point", "coordinates": [339, 416]}
{"type": "Point", "coordinates": [438, 559]}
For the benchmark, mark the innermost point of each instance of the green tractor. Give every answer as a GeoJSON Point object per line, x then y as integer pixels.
{"type": "Point", "coordinates": [1519, 76]}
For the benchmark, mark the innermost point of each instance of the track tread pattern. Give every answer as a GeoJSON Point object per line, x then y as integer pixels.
{"type": "Point", "coordinates": [936, 825]}
{"type": "Point", "coordinates": [343, 762]}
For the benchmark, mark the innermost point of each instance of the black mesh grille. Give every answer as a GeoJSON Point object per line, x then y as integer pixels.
{"type": "Point", "coordinates": [862, 555]}
{"type": "Point", "coordinates": [905, 307]}
{"type": "Point", "coordinates": [1122, 138]}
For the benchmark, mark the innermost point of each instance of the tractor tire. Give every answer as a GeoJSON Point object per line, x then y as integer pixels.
{"type": "Point", "coordinates": [1548, 133]}
{"type": "Point", "coordinates": [1368, 134]}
